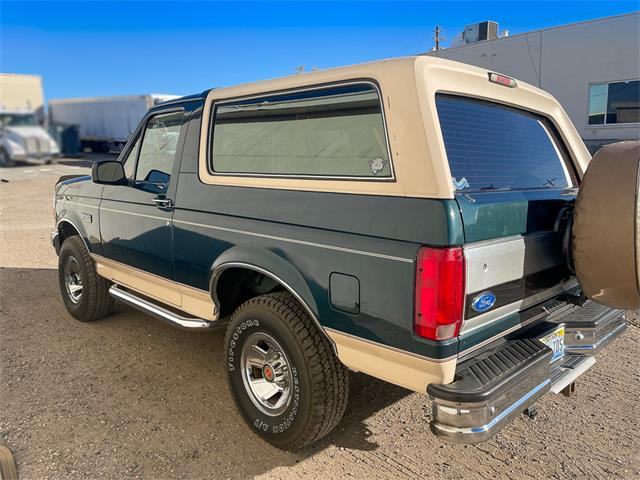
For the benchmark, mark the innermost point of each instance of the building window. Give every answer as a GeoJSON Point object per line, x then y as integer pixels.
{"type": "Point", "coordinates": [328, 132]}
{"type": "Point", "coordinates": [614, 103]}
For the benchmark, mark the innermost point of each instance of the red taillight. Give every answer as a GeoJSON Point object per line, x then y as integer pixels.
{"type": "Point", "coordinates": [439, 292]}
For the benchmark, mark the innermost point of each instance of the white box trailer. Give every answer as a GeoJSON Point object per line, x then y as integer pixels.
{"type": "Point", "coordinates": [104, 122]}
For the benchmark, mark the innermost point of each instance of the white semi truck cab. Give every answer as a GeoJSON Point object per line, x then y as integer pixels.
{"type": "Point", "coordinates": [22, 138]}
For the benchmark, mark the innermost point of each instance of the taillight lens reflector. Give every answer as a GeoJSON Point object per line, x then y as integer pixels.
{"type": "Point", "coordinates": [439, 292]}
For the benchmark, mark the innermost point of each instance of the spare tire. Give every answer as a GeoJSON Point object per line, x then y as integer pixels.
{"type": "Point", "coordinates": [605, 235]}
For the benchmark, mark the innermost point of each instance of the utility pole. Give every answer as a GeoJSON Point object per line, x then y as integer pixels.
{"type": "Point", "coordinates": [437, 38]}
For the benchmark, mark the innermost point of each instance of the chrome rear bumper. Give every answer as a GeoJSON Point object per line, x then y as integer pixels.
{"type": "Point", "coordinates": [497, 384]}
{"type": "Point", "coordinates": [590, 328]}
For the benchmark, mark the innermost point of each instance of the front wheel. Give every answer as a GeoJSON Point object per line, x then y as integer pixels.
{"type": "Point", "coordinates": [287, 383]}
{"type": "Point", "coordinates": [5, 160]}
{"type": "Point", "coordinates": [85, 294]}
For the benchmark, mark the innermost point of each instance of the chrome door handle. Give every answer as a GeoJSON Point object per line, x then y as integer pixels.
{"type": "Point", "coordinates": [162, 202]}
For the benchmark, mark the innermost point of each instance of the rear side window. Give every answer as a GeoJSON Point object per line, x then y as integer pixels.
{"type": "Point", "coordinates": [328, 132]}
{"type": "Point", "coordinates": [491, 147]}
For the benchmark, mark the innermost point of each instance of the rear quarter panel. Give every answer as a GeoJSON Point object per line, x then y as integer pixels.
{"type": "Point", "coordinates": [372, 238]}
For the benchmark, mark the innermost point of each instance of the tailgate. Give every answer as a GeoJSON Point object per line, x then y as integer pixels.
{"type": "Point", "coordinates": [520, 263]}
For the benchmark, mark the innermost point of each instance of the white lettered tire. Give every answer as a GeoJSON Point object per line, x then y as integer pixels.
{"type": "Point", "coordinates": [288, 385]}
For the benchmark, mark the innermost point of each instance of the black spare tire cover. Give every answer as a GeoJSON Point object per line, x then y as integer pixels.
{"type": "Point", "coordinates": [605, 236]}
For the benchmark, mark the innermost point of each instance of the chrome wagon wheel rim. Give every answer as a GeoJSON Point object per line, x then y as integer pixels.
{"type": "Point", "coordinates": [266, 374]}
{"type": "Point", "coordinates": [72, 279]}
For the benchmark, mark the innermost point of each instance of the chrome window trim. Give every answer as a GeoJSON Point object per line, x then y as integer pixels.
{"type": "Point", "coordinates": [212, 117]}
{"type": "Point", "coordinates": [563, 162]}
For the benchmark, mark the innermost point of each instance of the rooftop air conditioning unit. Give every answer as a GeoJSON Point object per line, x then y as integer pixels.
{"type": "Point", "coordinates": [479, 32]}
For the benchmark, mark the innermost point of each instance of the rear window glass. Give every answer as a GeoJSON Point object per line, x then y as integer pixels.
{"type": "Point", "coordinates": [335, 131]}
{"type": "Point", "coordinates": [491, 147]}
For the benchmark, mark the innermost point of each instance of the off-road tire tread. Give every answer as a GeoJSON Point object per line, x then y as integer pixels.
{"type": "Point", "coordinates": [329, 377]}
{"type": "Point", "coordinates": [95, 287]}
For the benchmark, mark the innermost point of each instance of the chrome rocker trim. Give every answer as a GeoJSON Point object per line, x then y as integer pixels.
{"type": "Point", "coordinates": [167, 316]}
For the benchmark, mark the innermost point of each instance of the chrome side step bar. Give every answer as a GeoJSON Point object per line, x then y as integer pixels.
{"type": "Point", "coordinates": [155, 310]}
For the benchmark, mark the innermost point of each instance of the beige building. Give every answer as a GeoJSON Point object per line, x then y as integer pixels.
{"type": "Point", "coordinates": [22, 92]}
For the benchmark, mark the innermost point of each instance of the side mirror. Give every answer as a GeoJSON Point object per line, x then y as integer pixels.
{"type": "Point", "coordinates": [108, 172]}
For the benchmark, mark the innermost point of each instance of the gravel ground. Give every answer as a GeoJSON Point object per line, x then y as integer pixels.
{"type": "Point", "coordinates": [129, 397]}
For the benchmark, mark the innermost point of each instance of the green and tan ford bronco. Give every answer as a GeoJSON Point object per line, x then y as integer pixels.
{"type": "Point", "coordinates": [429, 223]}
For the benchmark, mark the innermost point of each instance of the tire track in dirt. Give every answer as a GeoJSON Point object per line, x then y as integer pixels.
{"type": "Point", "coordinates": [379, 462]}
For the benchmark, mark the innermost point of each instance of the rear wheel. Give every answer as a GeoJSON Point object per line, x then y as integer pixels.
{"type": "Point", "coordinates": [85, 294]}
{"type": "Point", "coordinates": [287, 383]}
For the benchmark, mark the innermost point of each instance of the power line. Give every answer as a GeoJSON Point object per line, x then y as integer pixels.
{"type": "Point", "coordinates": [409, 46]}
{"type": "Point", "coordinates": [437, 37]}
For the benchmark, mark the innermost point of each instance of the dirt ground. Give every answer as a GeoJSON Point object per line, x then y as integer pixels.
{"type": "Point", "coordinates": [130, 397]}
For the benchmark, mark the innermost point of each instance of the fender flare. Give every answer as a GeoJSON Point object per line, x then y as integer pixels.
{"type": "Point", "coordinates": [273, 266]}
{"type": "Point", "coordinates": [81, 233]}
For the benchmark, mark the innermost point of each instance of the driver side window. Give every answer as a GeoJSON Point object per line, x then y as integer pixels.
{"type": "Point", "coordinates": [157, 152]}
{"type": "Point", "coordinates": [130, 161]}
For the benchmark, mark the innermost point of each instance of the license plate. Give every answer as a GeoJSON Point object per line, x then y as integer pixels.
{"type": "Point", "coordinates": [555, 341]}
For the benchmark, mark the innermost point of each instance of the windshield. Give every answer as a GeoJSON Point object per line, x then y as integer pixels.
{"type": "Point", "coordinates": [18, 120]}
{"type": "Point", "coordinates": [492, 147]}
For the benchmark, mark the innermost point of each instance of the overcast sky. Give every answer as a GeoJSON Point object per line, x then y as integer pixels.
{"type": "Point", "coordinates": [111, 48]}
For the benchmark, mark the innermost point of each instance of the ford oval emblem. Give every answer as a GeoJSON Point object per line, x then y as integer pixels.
{"type": "Point", "coordinates": [483, 302]}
